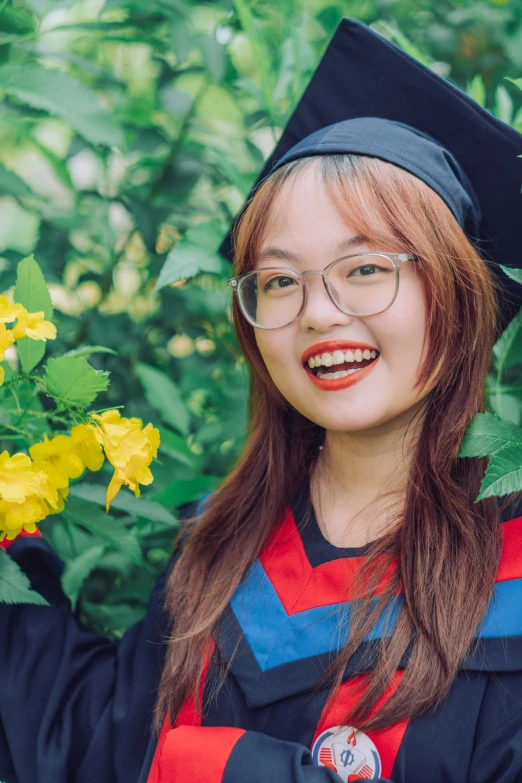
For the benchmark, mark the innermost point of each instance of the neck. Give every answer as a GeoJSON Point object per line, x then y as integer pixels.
{"type": "Point", "coordinates": [363, 477]}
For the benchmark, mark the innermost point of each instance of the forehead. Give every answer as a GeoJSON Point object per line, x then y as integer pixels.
{"type": "Point", "coordinates": [304, 223]}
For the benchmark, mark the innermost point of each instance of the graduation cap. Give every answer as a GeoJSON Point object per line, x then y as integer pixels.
{"type": "Point", "coordinates": [370, 97]}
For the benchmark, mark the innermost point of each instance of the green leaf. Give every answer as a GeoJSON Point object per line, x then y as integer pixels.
{"type": "Point", "coordinates": [503, 105]}
{"type": "Point", "coordinates": [163, 394]}
{"type": "Point", "coordinates": [31, 291]}
{"type": "Point", "coordinates": [136, 507]}
{"type": "Point", "coordinates": [114, 618]}
{"type": "Point", "coordinates": [196, 252]}
{"type": "Point", "coordinates": [391, 30]}
{"type": "Point", "coordinates": [516, 82]}
{"type": "Point", "coordinates": [89, 516]}
{"type": "Point", "coordinates": [77, 570]}
{"type": "Point", "coordinates": [12, 183]}
{"type": "Point", "coordinates": [15, 587]}
{"type": "Point", "coordinates": [511, 271]}
{"type": "Point", "coordinates": [72, 380]}
{"type": "Point", "coordinates": [504, 473]}
{"type": "Point", "coordinates": [476, 89]}
{"type": "Point", "coordinates": [175, 447]}
{"type": "Point", "coordinates": [507, 351]}
{"type": "Point", "coordinates": [86, 350]}
{"type": "Point", "coordinates": [487, 434]}
{"type": "Point", "coordinates": [179, 492]}
{"type": "Point", "coordinates": [61, 95]}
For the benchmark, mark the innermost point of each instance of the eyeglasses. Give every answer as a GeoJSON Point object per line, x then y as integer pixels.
{"type": "Point", "coordinates": [360, 285]}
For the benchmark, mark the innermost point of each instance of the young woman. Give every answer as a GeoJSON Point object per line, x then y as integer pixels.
{"type": "Point", "coordinates": [341, 608]}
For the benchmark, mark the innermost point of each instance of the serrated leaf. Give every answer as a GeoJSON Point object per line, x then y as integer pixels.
{"type": "Point", "coordinates": [163, 394]}
{"type": "Point", "coordinates": [196, 252]}
{"type": "Point", "coordinates": [61, 95]}
{"type": "Point", "coordinates": [487, 434]}
{"type": "Point", "coordinates": [15, 587]}
{"type": "Point", "coordinates": [86, 350]}
{"type": "Point", "coordinates": [31, 291]}
{"type": "Point", "coordinates": [77, 570]}
{"type": "Point", "coordinates": [504, 473]}
{"type": "Point", "coordinates": [74, 381]}
{"type": "Point", "coordinates": [136, 507]}
{"type": "Point", "coordinates": [89, 516]}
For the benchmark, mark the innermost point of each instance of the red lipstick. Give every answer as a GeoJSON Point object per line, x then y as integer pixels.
{"type": "Point", "coordinates": [334, 345]}
{"type": "Point", "coordinates": [335, 384]}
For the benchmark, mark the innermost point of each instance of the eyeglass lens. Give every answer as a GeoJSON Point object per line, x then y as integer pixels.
{"type": "Point", "coordinates": [359, 285]}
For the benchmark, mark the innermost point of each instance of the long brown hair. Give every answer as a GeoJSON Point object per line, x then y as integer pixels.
{"type": "Point", "coordinates": [446, 548]}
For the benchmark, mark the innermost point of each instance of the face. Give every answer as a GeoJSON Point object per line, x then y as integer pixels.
{"type": "Point", "coordinates": [306, 225]}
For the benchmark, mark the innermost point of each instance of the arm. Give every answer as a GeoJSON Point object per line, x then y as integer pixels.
{"type": "Point", "coordinates": [204, 754]}
{"type": "Point", "coordinates": [74, 706]}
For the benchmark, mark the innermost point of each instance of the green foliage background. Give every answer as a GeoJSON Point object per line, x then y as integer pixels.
{"type": "Point", "coordinates": [130, 134]}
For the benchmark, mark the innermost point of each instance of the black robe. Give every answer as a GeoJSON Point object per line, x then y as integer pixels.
{"type": "Point", "coordinates": [76, 707]}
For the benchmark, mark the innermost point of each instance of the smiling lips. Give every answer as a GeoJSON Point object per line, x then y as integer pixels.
{"type": "Point", "coordinates": [338, 364]}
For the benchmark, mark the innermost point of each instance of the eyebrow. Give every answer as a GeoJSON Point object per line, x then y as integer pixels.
{"type": "Point", "coordinates": [288, 255]}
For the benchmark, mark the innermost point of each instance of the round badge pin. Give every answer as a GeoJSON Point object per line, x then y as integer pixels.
{"type": "Point", "coordinates": [349, 752]}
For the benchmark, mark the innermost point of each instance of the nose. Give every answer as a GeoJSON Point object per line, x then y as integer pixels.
{"type": "Point", "coordinates": [320, 313]}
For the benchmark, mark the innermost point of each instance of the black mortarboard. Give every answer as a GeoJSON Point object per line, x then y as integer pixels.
{"type": "Point", "coordinates": [369, 97]}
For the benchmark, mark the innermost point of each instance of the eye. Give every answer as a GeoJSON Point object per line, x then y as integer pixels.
{"type": "Point", "coordinates": [366, 270]}
{"type": "Point", "coordinates": [282, 281]}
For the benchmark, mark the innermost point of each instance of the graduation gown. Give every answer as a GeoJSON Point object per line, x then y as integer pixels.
{"type": "Point", "coordinates": [76, 707]}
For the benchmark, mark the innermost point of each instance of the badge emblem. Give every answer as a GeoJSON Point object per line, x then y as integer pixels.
{"type": "Point", "coordinates": [348, 752]}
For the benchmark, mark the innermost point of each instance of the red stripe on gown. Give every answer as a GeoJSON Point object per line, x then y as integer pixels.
{"type": "Point", "coordinates": [188, 752]}
{"type": "Point", "coordinates": [5, 543]}
{"type": "Point", "coordinates": [298, 585]}
{"type": "Point", "coordinates": [387, 741]}
{"type": "Point", "coordinates": [511, 561]}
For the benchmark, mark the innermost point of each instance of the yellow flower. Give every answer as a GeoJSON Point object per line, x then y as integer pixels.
{"type": "Point", "coordinates": [87, 446]}
{"type": "Point", "coordinates": [19, 479]}
{"type": "Point", "coordinates": [35, 326]}
{"type": "Point", "coordinates": [15, 517]}
{"type": "Point", "coordinates": [22, 489]}
{"type": "Point", "coordinates": [9, 312]}
{"type": "Point", "coordinates": [6, 339]}
{"type": "Point", "coordinates": [130, 448]}
{"type": "Point", "coordinates": [61, 460]}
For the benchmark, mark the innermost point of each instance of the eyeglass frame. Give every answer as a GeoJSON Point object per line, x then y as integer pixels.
{"type": "Point", "coordinates": [396, 259]}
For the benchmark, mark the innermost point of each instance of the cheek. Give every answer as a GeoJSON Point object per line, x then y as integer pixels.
{"type": "Point", "coordinates": [275, 350]}
{"type": "Point", "coordinates": [402, 334]}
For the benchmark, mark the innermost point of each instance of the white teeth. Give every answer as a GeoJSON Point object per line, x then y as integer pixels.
{"type": "Point", "coordinates": [339, 374]}
{"type": "Point", "coordinates": [339, 357]}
